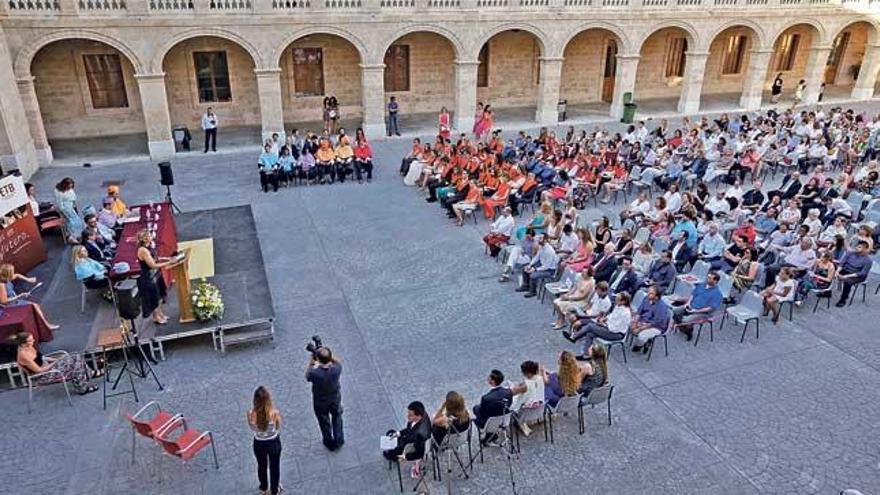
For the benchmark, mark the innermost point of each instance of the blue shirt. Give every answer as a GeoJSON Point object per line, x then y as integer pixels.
{"type": "Point", "coordinates": [712, 246]}
{"type": "Point", "coordinates": [286, 163]}
{"type": "Point", "coordinates": [88, 268]}
{"type": "Point", "coordinates": [268, 160]}
{"type": "Point", "coordinates": [705, 297]}
{"type": "Point", "coordinates": [655, 314]}
{"type": "Point", "coordinates": [685, 226]}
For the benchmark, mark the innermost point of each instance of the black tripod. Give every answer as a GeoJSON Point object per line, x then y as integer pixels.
{"type": "Point", "coordinates": [134, 363]}
{"type": "Point", "coordinates": [168, 199]}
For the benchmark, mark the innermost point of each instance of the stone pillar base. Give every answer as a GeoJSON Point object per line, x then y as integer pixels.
{"type": "Point", "coordinates": [374, 131]}
{"type": "Point", "coordinates": [547, 118]}
{"type": "Point", "coordinates": [616, 111]}
{"type": "Point", "coordinates": [45, 156]}
{"type": "Point", "coordinates": [464, 124]}
{"type": "Point", "coordinates": [750, 102]}
{"type": "Point", "coordinates": [862, 93]}
{"type": "Point", "coordinates": [161, 150]}
{"type": "Point", "coordinates": [689, 107]}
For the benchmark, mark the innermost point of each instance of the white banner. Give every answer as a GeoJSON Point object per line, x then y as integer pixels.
{"type": "Point", "coordinates": [12, 194]}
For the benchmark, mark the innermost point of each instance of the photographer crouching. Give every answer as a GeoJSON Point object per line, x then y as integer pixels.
{"type": "Point", "coordinates": [323, 371]}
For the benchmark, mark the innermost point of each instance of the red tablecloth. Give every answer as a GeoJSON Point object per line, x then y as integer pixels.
{"type": "Point", "coordinates": [165, 239]}
{"type": "Point", "coordinates": [23, 318]}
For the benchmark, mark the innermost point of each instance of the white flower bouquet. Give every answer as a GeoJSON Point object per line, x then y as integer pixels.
{"type": "Point", "coordinates": [207, 301]}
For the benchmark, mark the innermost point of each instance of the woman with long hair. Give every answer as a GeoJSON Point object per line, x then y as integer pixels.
{"type": "Point", "coordinates": [453, 413]}
{"type": "Point", "coordinates": [565, 382]}
{"type": "Point", "coordinates": [8, 297]}
{"type": "Point", "coordinates": [71, 367]}
{"type": "Point", "coordinates": [65, 202]}
{"type": "Point", "coordinates": [151, 284]}
{"type": "Point", "coordinates": [265, 423]}
{"type": "Point", "coordinates": [444, 124]}
{"type": "Point", "coordinates": [595, 369]}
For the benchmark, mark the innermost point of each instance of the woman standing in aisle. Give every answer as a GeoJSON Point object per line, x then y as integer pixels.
{"type": "Point", "coordinates": [265, 423]}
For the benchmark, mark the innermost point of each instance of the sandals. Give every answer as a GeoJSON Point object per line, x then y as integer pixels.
{"type": "Point", "coordinates": [88, 390]}
{"type": "Point", "coordinates": [98, 373]}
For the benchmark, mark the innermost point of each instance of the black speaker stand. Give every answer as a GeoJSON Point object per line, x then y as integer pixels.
{"type": "Point", "coordinates": [168, 199]}
{"type": "Point", "coordinates": [134, 363]}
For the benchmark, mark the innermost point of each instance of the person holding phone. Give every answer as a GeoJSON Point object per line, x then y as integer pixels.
{"type": "Point", "coordinates": [209, 125]}
{"type": "Point", "coordinates": [8, 297]}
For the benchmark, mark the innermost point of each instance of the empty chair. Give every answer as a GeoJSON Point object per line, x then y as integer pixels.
{"type": "Point", "coordinates": [611, 343]}
{"type": "Point", "coordinates": [599, 396]}
{"type": "Point", "coordinates": [149, 427]}
{"type": "Point", "coordinates": [188, 443]}
{"type": "Point", "coordinates": [725, 285]}
{"type": "Point", "coordinates": [749, 309]}
{"type": "Point", "coordinates": [660, 245]}
{"type": "Point", "coordinates": [642, 236]}
{"type": "Point", "coordinates": [682, 290]}
{"type": "Point", "coordinates": [637, 299]}
{"type": "Point", "coordinates": [568, 280]}
{"type": "Point", "coordinates": [855, 200]}
{"type": "Point", "coordinates": [697, 274]}
{"type": "Point", "coordinates": [566, 406]}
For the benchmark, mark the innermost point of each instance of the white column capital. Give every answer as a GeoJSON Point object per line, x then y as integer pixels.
{"type": "Point", "coordinates": [551, 59]}
{"type": "Point", "coordinates": [690, 54]}
{"type": "Point", "coordinates": [465, 63]}
{"type": "Point", "coordinates": [372, 67]}
{"type": "Point", "coordinates": [762, 51]}
{"type": "Point", "coordinates": [820, 48]}
{"type": "Point", "coordinates": [23, 81]}
{"type": "Point", "coordinates": [628, 56]}
{"type": "Point", "coordinates": [268, 72]}
{"type": "Point", "coordinates": [159, 76]}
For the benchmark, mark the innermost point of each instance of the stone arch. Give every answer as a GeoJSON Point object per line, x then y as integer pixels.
{"type": "Point", "coordinates": [346, 35]}
{"type": "Point", "coordinates": [695, 42]}
{"type": "Point", "coordinates": [873, 31]}
{"type": "Point", "coordinates": [233, 37]}
{"type": "Point", "coordinates": [623, 40]}
{"type": "Point", "coordinates": [818, 30]}
{"type": "Point", "coordinates": [756, 28]}
{"type": "Point", "coordinates": [543, 40]}
{"type": "Point", "coordinates": [589, 65]}
{"type": "Point", "coordinates": [453, 39]}
{"type": "Point", "coordinates": [26, 56]}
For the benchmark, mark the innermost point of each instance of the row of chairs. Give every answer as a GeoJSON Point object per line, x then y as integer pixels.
{"type": "Point", "coordinates": [171, 432]}
{"type": "Point", "coordinates": [505, 430]}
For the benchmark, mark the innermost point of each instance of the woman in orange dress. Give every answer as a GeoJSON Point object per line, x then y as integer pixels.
{"type": "Point", "coordinates": [497, 199]}
{"type": "Point", "coordinates": [444, 124]}
{"type": "Point", "coordinates": [486, 123]}
{"type": "Point", "coordinates": [473, 198]}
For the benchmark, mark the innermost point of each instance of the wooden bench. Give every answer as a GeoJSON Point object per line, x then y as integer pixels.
{"type": "Point", "coordinates": [255, 331]}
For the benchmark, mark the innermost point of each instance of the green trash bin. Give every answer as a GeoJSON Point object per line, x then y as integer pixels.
{"type": "Point", "coordinates": [629, 109]}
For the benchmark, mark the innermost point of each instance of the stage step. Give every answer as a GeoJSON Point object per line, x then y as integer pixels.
{"type": "Point", "coordinates": [241, 335]}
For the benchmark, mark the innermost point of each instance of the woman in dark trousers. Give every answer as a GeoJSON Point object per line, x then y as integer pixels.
{"type": "Point", "coordinates": [265, 423]}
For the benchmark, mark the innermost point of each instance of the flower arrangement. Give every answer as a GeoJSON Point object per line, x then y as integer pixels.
{"type": "Point", "coordinates": [207, 301]}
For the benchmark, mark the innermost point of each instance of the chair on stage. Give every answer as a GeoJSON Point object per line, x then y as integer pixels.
{"type": "Point", "coordinates": [51, 376]}
{"type": "Point", "coordinates": [150, 427]}
{"type": "Point", "coordinates": [188, 443]}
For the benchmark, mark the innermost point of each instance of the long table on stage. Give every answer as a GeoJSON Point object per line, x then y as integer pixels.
{"type": "Point", "coordinates": [165, 239]}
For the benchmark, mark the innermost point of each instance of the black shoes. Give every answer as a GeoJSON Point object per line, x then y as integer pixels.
{"type": "Point", "coordinates": [568, 336]}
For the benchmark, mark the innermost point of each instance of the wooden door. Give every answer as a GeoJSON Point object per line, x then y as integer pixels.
{"type": "Point", "coordinates": [609, 72]}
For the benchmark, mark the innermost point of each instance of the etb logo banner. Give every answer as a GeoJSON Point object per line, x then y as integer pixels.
{"type": "Point", "coordinates": [12, 194]}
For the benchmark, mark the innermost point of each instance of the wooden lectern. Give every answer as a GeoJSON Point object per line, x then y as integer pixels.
{"type": "Point", "coordinates": [180, 272]}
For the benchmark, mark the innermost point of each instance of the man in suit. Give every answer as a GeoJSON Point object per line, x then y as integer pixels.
{"type": "Point", "coordinates": [626, 279]}
{"type": "Point", "coordinates": [662, 272]}
{"type": "Point", "coordinates": [495, 402]}
{"type": "Point", "coordinates": [606, 266]}
{"type": "Point", "coordinates": [417, 430]}
{"type": "Point", "coordinates": [681, 251]}
{"type": "Point", "coordinates": [791, 185]}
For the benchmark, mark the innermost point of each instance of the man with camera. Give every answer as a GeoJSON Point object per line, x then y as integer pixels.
{"type": "Point", "coordinates": [323, 372]}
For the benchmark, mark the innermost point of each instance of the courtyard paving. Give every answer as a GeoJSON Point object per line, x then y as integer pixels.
{"type": "Point", "coordinates": [412, 306]}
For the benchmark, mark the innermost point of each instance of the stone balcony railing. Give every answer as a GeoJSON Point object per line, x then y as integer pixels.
{"type": "Point", "coordinates": [87, 8]}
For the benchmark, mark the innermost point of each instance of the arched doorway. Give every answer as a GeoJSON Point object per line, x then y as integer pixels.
{"type": "Point", "coordinates": [727, 68]}
{"type": "Point", "coordinates": [589, 68]}
{"type": "Point", "coordinates": [509, 74]}
{"type": "Point", "coordinates": [420, 74]}
{"type": "Point", "coordinates": [660, 77]}
{"type": "Point", "coordinates": [790, 60]}
{"type": "Point", "coordinates": [88, 100]}
{"type": "Point", "coordinates": [209, 71]}
{"type": "Point", "coordinates": [846, 60]}
{"type": "Point", "coordinates": [315, 66]}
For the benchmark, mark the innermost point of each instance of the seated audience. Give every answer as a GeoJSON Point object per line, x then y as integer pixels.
{"type": "Point", "coordinates": [8, 296]}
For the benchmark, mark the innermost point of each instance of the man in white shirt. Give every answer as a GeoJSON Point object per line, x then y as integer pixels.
{"type": "Point", "coordinates": [568, 241]}
{"type": "Point", "coordinates": [718, 204]}
{"type": "Point", "coordinates": [612, 327]}
{"type": "Point", "coordinates": [209, 125]}
{"type": "Point", "coordinates": [500, 232]}
{"type": "Point", "coordinates": [542, 267]}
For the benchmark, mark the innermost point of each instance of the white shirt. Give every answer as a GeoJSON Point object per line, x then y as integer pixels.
{"type": "Point", "coordinates": [673, 201]}
{"type": "Point", "coordinates": [503, 225]}
{"type": "Point", "coordinates": [534, 393]}
{"type": "Point", "coordinates": [598, 305]}
{"type": "Point", "coordinates": [717, 205]}
{"type": "Point", "coordinates": [209, 121]}
{"type": "Point", "coordinates": [619, 319]}
{"type": "Point", "coordinates": [569, 242]}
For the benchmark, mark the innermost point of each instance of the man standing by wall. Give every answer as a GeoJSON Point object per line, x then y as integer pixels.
{"type": "Point", "coordinates": [393, 123]}
{"type": "Point", "coordinates": [209, 125]}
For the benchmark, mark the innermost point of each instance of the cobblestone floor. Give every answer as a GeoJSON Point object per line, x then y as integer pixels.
{"type": "Point", "coordinates": [411, 305]}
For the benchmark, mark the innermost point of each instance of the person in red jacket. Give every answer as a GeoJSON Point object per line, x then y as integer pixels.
{"type": "Point", "coordinates": [363, 160]}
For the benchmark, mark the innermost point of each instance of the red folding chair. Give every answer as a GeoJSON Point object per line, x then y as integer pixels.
{"type": "Point", "coordinates": [149, 427]}
{"type": "Point", "coordinates": [189, 443]}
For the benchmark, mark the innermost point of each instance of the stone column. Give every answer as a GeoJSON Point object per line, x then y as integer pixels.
{"type": "Point", "coordinates": [16, 145]}
{"type": "Point", "coordinates": [35, 119]}
{"type": "Point", "coordinates": [692, 85]}
{"type": "Point", "coordinates": [815, 73]}
{"type": "Point", "coordinates": [154, 102]}
{"type": "Point", "coordinates": [373, 103]}
{"type": "Point", "coordinates": [548, 91]}
{"type": "Point", "coordinates": [864, 88]}
{"type": "Point", "coordinates": [271, 111]}
{"type": "Point", "coordinates": [465, 95]}
{"type": "Point", "coordinates": [624, 82]}
{"type": "Point", "coordinates": [753, 85]}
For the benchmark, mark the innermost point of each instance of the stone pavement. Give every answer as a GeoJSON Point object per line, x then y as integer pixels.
{"type": "Point", "coordinates": [411, 305]}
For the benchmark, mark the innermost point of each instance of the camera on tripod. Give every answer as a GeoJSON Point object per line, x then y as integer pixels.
{"type": "Point", "coordinates": [314, 345]}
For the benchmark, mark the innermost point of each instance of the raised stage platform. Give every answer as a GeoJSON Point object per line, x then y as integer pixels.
{"type": "Point", "coordinates": [239, 272]}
